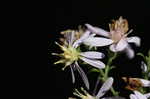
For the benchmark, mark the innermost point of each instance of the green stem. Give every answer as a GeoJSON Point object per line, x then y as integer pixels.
{"type": "Point", "coordinates": [111, 59]}
{"type": "Point", "coordinates": [113, 91]}
{"type": "Point", "coordinates": [102, 72]}
{"type": "Point", "coordinates": [106, 71]}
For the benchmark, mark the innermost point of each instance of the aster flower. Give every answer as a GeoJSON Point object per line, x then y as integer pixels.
{"type": "Point", "coordinates": [105, 87]}
{"type": "Point", "coordinates": [71, 54]}
{"type": "Point", "coordinates": [138, 95]}
{"type": "Point", "coordinates": [116, 37]}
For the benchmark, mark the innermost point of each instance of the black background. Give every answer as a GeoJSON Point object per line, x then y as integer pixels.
{"type": "Point", "coordinates": [56, 84]}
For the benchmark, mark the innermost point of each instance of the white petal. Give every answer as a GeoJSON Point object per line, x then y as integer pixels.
{"type": "Point", "coordinates": [135, 40]}
{"type": "Point", "coordinates": [129, 52]}
{"type": "Point", "coordinates": [93, 55]}
{"type": "Point", "coordinates": [97, 41]}
{"type": "Point", "coordinates": [72, 73]}
{"type": "Point", "coordinates": [146, 83]}
{"type": "Point", "coordinates": [105, 87]}
{"type": "Point", "coordinates": [80, 40]}
{"type": "Point", "coordinates": [97, 30]}
{"type": "Point", "coordinates": [132, 96]}
{"type": "Point", "coordinates": [121, 45]}
{"type": "Point", "coordinates": [95, 63]}
{"type": "Point", "coordinates": [113, 47]}
{"type": "Point", "coordinates": [143, 66]}
{"type": "Point", "coordinates": [85, 35]}
{"type": "Point", "coordinates": [70, 37]}
{"type": "Point", "coordinates": [147, 95]}
{"type": "Point", "coordinates": [83, 75]}
{"type": "Point", "coordinates": [139, 95]}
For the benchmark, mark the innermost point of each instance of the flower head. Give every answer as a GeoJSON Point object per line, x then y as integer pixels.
{"type": "Point", "coordinates": [71, 54]}
{"type": "Point", "coordinates": [104, 88]}
{"type": "Point", "coordinates": [116, 37]}
{"type": "Point", "coordinates": [118, 29]}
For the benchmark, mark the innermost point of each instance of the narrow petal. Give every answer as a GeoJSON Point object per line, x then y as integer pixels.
{"type": "Point", "coordinates": [132, 96]}
{"type": "Point", "coordinates": [146, 83]}
{"type": "Point", "coordinates": [95, 63]}
{"type": "Point", "coordinates": [97, 30]}
{"type": "Point", "coordinates": [93, 55]}
{"type": "Point", "coordinates": [147, 95]}
{"type": "Point", "coordinates": [143, 66]}
{"type": "Point", "coordinates": [83, 37]}
{"type": "Point", "coordinates": [139, 95]}
{"type": "Point", "coordinates": [72, 73]}
{"type": "Point", "coordinates": [96, 85]}
{"type": "Point", "coordinates": [97, 41]}
{"type": "Point", "coordinates": [70, 37]}
{"type": "Point", "coordinates": [129, 52]}
{"type": "Point", "coordinates": [105, 87]}
{"type": "Point", "coordinates": [136, 40]}
{"type": "Point", "coordinates": [121, 45]}
{"type": "Point", "coordinates": [83, 75]}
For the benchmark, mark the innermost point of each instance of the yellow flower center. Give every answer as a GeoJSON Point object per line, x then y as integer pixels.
{"type": "Point", "coordinates": [69, 55]}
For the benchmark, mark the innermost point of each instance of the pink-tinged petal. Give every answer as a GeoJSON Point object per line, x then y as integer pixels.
{"type": "Point", "coordinates": [93, 55]}
{"type": "Point", "coordinates": [72, 73]}
{"type": "Point", "coordinates": [95, 63]}
{"type": "Point", "coordinates": [132, 96]}
{"type": "Point", "coordinates": [129, 52]}
{"type": "Point", "coordinates": [136, 40]}
{"type": "Point", "coordinates": [97, 41]}
{"type": "Point", "coordinates": [121, 45]}
{"type": "Point", "coordinates": [146, 83]}
{"type": "Point", "coordinates": [105, 87]}
{"type": "Point", "coordinates": [113, 48]}
{"type": "Point", "coordinates": [139, 95]}
{"type": "Point", "coordinates": [147, 95]}
{"type": "Point", "coordinates": [83, 75]}
{"type": "Point", "coordinates": [97, 30]}
{"type": "Point", "coordinates": [81, 39]}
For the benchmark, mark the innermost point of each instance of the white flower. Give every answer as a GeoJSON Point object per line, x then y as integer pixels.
{"type": "Point", "coordinates": [116, 38]}
{"type": "Point", "coordinates": [138, 95]}
{"type": "Point", "coordinates": [71, 55]}
{"type": "Point", "coordinates": [105, 87]}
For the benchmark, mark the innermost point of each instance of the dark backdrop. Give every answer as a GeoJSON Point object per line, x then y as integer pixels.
{"type": "Point", "coordinates": [69, 14]}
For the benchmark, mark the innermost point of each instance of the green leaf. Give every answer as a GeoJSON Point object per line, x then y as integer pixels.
{"type": "Point", "coordinates": [141, 54]}
{"type": "Point", "coordinates": [93, 70]}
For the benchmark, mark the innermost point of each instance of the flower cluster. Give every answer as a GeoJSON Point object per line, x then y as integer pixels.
{"type": "Point", "coordinates": [117, 40]}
